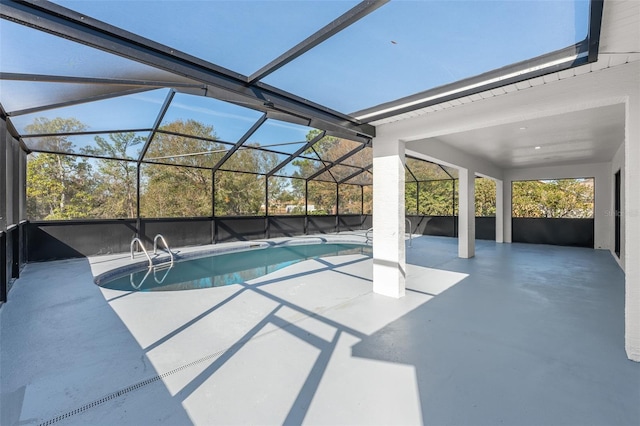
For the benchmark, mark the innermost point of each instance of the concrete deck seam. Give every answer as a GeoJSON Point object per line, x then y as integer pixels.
{"type": "Point", "coordinates": [131, 388]}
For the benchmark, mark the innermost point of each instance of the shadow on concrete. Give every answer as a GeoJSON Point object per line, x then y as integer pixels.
{"type": "Point", "coordinates": [533, 336]}
{"type": "Point", "coordinates": [64, 348]}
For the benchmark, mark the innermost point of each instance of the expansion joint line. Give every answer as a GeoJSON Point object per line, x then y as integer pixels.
{"type": "Point", "coordinates": [131, 388]}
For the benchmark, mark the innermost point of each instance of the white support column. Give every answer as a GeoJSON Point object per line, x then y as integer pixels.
{"type": "Point", "coordinates": [389, 263]}
{"type": "Point", "coordinates": [499, 212]}
{"type": "Point", "coordinates": [507, 213]}
{"type": "Point", "coordinates": [466, 214]}
{"type": "Point", "coordinates": [631, 214]}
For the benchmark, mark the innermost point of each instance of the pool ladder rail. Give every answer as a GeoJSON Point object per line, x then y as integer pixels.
{"type": "Point", "coordinates": [160, 266]}
{"type": "Point", "coordinates": [369, 238]}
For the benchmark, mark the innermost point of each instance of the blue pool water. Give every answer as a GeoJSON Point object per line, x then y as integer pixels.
{"type": "Point", "coordinates": [225, 269]}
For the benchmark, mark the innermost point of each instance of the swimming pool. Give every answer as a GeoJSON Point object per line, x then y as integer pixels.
{"type": "Point", "coordinates": [224, 269]}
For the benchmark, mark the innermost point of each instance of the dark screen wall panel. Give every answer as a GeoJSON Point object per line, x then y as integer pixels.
{"type": "Point", "coordinates": [23, 187]}
{"type": "Point", "coordinates": [322, 224]}
{"type": "Point", "coordinates": [560, 232]}
{"type": "Point", "coordinates": [350, 223]}
{"type": "Point", "coordinates": [444, 226]}
{"type": "Point", "coordinates": [367, 221]}
{"type": "Point", "coordinates": [17, 186]}
{"type": "Point", "coordinates": [447, 226]}
{"type": "Point", "coordinates": [240, 229]}
{"type": "Point", "coordinates": [4, 279]}
{"type": "Point", "coordinates": [8, 259]}
{"type": "Point", "coordinates": [283, 226]}
{"type": "Point", "coordinates": [486, 228]}
{"type": "Point", "coordinates": [3, 175]}
{"type": "Point", "coordinates": [70, 239]}
{"type": "Point", "coordinates": [179, 232]}
{"type": "Point", "coordinates": [15, 251]}
{"type": "Point", "coordinates": [9, 179]}
{"type": "Point", "coordinates": [23, 242]}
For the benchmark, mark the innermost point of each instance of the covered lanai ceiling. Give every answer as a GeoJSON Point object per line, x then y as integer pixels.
{"type": "Point", "coordinates": [277, 75]}
{"type": "Point", "coordinates": [563, 118]}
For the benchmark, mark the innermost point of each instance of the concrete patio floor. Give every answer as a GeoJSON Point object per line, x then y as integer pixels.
{"type": "Point", "coordinates": [519, 335]}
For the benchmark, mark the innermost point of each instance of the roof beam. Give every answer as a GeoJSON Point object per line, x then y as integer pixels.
{"type": "Point", "coordinates": [12, 130]}
{"type": "Point", "coordinates": [242, 140]}
{"type": "Point", "coordinates": [595, 25]}
{"type": "Point", "coordinates": [338, 161]}
{"type": "Point", "coordinates": [83, 133]}
{"type": "Point", "coordinates": [45, 78]}
{"type": "Point", "coordinates": [63, 22]}
{"type": "Point", "coordinates": [296, 154]}
{"type": "Point", "coordinates": [156, 125]}
{"type": "Point", "coordinates": [84, 100]}
{"type": "Point", "coordinates": [445, 170]}
{"type": "Point", "coordinates": [353, 15]}
{"type": "Point", "coordinates": [407, 168]}
{"type": "Point", "coordinates": [358, 173]}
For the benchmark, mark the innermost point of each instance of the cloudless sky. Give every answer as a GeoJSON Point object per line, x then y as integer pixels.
{"type": "Point", "coordinates": [402, 48]}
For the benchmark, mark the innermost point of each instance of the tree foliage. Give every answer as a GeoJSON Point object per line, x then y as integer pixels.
{"type": "Point", "coordinates": [431, 198]}
{"type": "Point", "coordinates": [177, 179]}
{"type": "Point", "coordinates": [58, 186]}
{"type": "Point", "coordinates": [485, 192]}
{"type": "Point", "coordinates": [562, 198]}
{"type": "Point", "coordinates": [115, 189]}
{"type": "Point", "coordinates": [440, 197]}
{"type": "Point", "coordinates": [170, 191]}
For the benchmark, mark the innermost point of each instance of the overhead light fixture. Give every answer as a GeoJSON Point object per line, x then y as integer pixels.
{"type": "Point", "coordinates": [537, 147]}
{"type": "Point", "coordinates": [523, 128]}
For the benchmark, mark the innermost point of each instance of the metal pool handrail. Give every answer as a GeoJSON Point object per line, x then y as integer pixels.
{"type": "Point", "coordinates": [137, 240]}
{"type": "Point", "coordinates": [137, 287]}
{"type": "Point", "coordinates": [367, 237]}
{"type": "Point", "coordinates": [167, 267]}
{"type": "Point", "coordinates": [155, 246]}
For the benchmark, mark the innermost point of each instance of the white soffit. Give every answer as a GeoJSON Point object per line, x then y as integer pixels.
{"type": "Point", "coordinates": [586, 136]}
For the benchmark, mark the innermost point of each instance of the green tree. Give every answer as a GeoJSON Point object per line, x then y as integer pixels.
{"type": "Point", "coordinates": [350, 199]}
{"type": "Point", "coordinates": [568, 198]}
{"type": "Point", "coordinates": [410, 198]}
{"type": "Point", "coordinates": [367, 199]}
{"type": "Point", "coordinates": [171, 191]}
{"type": "Point", "coordinates": [243, 194]}
{"type": "Point", "coordinates": [322, 193]}
{"type": "Point", "coordinates": [115, 180]}
{"type": "Point", "coordinates": [58, 186]}
{"type": "Point", "coordinates": [437, 197]}
{"type": "Point", "coordinates": [434, 193]}
{"type": "Point", "coordinates": [239, 194]}
{"type": "Point", "coordinates": [322, 196]}
{"type": "Point", "coordinates": [485, 192]}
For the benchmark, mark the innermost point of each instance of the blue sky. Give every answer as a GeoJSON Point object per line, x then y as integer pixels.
{"type": "Point", "coordinates": [402, 48]}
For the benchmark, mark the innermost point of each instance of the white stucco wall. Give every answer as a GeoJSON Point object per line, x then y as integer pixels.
{"type": "Point", "coordinates": [440, 152]}
{"type": "Point", "coordinates": [618, 164]}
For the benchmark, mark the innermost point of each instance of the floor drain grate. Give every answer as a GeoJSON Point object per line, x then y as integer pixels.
{"type": "Point", "coordinates": [131, 388]}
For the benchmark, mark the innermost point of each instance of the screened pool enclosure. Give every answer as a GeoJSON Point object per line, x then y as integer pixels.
{"type": "Point", "coordinates": [217, 121]}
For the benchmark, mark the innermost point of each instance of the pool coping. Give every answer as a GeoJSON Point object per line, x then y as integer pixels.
{"type": "Point", "coordinates": [106, 267]}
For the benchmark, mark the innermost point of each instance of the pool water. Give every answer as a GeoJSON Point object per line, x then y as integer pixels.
{"type": "Point", "coordinates": [225, 269]}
